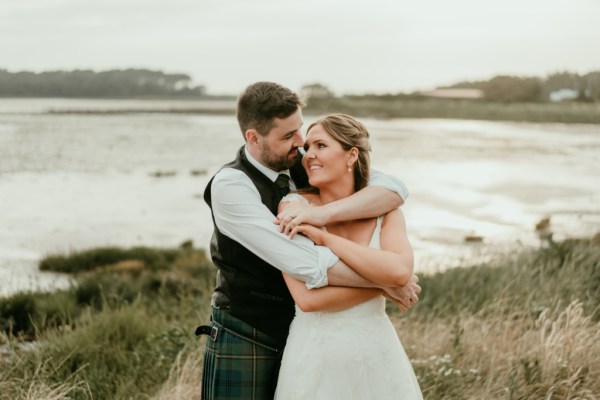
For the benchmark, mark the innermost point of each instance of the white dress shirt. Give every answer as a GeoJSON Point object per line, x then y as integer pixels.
{"type": "Point", "coordinates": [240, 215]}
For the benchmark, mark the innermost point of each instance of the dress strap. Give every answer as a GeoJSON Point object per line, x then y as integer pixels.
{"type": "Point", "coordinates": [376, 238]}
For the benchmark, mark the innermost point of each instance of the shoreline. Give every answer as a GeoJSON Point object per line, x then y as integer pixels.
{"type": "Point", "coordinates": [358, 106]}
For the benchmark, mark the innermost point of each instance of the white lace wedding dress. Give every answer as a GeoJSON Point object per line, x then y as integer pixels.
{"type": "Point", "coordinates": [350, 354]}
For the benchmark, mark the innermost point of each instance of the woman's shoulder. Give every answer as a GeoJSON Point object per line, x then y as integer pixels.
{"type": "Point", "coordinates": [294, 197]}
{"type": "Point", "coordinates": [393, 217]}
{"type": "Point", "coordinates": [306, 198]}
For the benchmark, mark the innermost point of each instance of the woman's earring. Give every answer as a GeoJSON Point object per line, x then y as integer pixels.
{"type": "Point", "coordinates": [349, 169]}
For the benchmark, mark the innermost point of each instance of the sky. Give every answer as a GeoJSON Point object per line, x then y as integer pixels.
{"type": "Point", "coordinates": [368, 46]}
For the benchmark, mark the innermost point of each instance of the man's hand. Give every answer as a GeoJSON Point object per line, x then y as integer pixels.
{"type": "Point", "coordinates": [295, 213]}
{"type": "Point", "coordinates": [405, 296]}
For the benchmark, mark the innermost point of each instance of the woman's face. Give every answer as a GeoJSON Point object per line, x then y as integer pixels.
{"type": "Point", "coordinates": [325, 160]}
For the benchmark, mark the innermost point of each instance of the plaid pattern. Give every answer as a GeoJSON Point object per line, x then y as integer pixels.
{"type": "Point", "coordinates": [235, 368]}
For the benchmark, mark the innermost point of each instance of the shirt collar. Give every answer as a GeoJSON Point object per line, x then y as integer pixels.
{"type": "Point", "coordinates": [272, 175]}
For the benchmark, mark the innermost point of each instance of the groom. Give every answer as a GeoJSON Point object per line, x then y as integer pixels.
{"type": "Point", "coordinates": [251, 305]}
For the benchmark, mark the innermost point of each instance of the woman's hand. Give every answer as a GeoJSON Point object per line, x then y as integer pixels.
{"type": "Point", "coordinates": [294, 213]}
{"type": "Point", "coordinates": [405, 296]}
{"type": "Point", "coordinates": [317, 235]}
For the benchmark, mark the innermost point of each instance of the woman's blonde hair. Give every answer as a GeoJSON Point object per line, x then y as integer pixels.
{"type": "Point", "coordinates": [349, 132]}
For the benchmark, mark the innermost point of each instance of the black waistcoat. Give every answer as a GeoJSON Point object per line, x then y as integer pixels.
{"type": "Point", "coordinates": [250, 288]}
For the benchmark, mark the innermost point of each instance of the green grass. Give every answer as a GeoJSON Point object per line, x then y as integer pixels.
{"type": "Point", "coordinates": [415, 107]}
{"type": "Point", "coordinates": [172, 274]}
{"type": "Point", "coordinates": [87, 260]}
{"type": "Point", "coordinates": [114, 335]}
{"type": "Point", "coordinates": [531, 281]}
{"type": "Point", "coordinates": [523, 326]}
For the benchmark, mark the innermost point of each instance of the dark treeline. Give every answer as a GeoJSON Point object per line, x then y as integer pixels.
{"type": "Point", "coordinates": [130, 83]}
{"type": "Point", "coordinates": [559, 86]}
{"type": "Point", "coordinates": [105, 84]}
{"type": "Point", "coordinates": [532, 89]}
{"type": "Point", "coordinates": [562, 97]}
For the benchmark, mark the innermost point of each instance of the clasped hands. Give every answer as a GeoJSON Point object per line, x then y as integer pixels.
{"type": "Point", "coordinates": [302, 218]}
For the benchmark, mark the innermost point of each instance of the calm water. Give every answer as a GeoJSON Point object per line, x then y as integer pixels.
{"type": "Point", "coordinates": [75, 181]}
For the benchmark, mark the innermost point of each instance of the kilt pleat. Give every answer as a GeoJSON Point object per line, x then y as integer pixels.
{"type": "Point", "coordinates": [237, 368]}
{"type": "Point", "coordinates": [208, 374]}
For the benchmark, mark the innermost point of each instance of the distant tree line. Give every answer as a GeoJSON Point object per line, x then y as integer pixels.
{"type": "Point", "coordinates": [501, 88]}
{"type": "Point", "coordinates": [507, 88]}
{"type": "Point", "coordinates": [105, 84]}
{"type": "Point", "coordinates": [130, 83]}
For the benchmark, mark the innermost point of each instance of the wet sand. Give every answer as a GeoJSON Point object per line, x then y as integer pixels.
{"type": "Point", "coordinates": [71, 182]}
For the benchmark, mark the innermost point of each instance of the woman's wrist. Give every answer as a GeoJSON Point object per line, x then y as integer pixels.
{"type": "Point", "coordinates": [327, 238]}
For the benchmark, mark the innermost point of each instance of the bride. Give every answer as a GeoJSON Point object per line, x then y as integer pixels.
{"type": "Point", "coordinates": [342, 344]}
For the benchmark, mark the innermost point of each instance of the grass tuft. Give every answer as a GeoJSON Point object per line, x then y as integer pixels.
{"type": "Point", "coordinates": [113, 258]}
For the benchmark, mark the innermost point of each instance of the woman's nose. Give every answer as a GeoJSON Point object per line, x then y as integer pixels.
{"type": "Point", "coordinates": [307, 156]}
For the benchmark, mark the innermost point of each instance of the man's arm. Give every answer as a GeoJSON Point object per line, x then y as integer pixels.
{"type": "Point", "coordinates": [240, 215]}
{"type": "Point", "coordinates": [340, 275]}
{"type": "Point", "coordinates": [384, 193]}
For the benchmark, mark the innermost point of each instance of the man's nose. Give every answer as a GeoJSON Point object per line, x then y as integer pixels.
{"type": "Point", "coordinates": [298, 141]}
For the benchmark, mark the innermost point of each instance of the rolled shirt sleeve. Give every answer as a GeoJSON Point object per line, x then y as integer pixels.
{"type": "Point", "coordinates": [378, 178]}
{"type": "Point", "coordinates": [240, 215]}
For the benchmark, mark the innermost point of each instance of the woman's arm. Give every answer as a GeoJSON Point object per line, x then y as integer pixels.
{"type": "Point", "coordinates": [328, 298]}
{"type": "Point", "coordinates": [390, 266]}
{"type": "Point", "coordinates": [338, 274]}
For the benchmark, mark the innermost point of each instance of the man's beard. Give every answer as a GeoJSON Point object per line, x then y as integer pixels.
{"type": "Point", "coordinates": [277, 162]}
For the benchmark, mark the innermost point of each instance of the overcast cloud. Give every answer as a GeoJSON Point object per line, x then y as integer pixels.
{"type": "Point", "coordinates": [351, 46]}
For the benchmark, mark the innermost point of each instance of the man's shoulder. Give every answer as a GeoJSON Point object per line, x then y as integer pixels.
{"type": "Point", "coordinates": [228, 176]}
{"type": "Point", "coordinates": [224, 178]}
{"type": "Point", "coordinates": [228, 172]}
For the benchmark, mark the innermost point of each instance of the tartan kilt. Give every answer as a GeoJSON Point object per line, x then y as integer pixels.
{"type": "Point", "coordinates": [236, 368]}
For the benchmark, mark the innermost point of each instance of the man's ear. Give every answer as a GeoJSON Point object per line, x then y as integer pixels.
{"type": "Point", "coordinates": [252, 136]}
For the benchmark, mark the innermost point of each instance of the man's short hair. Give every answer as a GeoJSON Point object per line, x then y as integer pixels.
{"type": "Point", "coordinates": [262, 102]}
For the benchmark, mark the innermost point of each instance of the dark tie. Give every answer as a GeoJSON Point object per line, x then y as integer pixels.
{"type": "Point", "coordinates": [283, 183]}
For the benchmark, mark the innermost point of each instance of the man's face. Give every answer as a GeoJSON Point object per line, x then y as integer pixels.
{"type": "Point", "coordinates": [279, 148]}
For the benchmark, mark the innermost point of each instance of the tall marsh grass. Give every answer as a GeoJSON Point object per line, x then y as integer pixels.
{"type": "Point", "coordinates": [524, 326]}
{"type": "Point", "coordinates": [553, 356]}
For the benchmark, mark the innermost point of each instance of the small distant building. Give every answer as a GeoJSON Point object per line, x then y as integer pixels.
{"type": "Point", "coordinates": [316, 90]}
{"type": "Point", "coordinates": [563, 94]}
{"type": "Point", "coordinates": [454, 93]}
